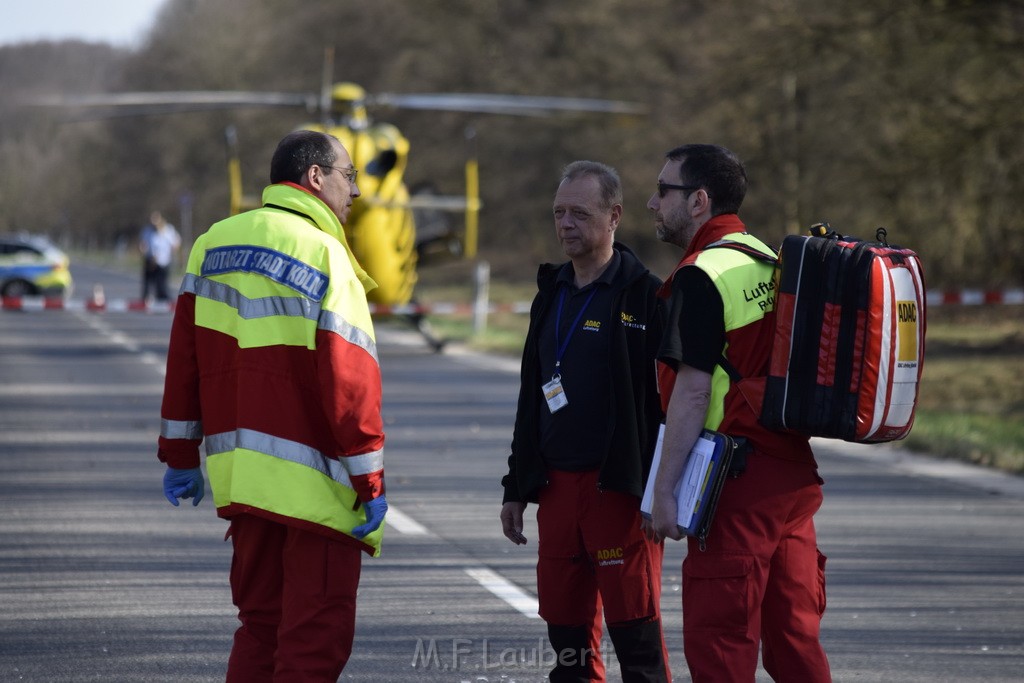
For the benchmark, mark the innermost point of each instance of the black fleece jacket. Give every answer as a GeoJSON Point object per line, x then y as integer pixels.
{"type": "Point", "coordinates": [635, 409]}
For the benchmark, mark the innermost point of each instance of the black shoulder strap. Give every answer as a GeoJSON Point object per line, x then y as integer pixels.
{"type": "Point", "coordinates": [745, 249]}
{"type": "Point", "coordinates": [734, 375]}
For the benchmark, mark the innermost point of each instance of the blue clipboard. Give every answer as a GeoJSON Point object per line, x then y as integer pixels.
{"type": "Point", "coordinates": [700, 486]}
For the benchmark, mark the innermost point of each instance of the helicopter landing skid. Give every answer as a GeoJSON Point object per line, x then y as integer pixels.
{"type": "Point", "coordinates": [422, 325]}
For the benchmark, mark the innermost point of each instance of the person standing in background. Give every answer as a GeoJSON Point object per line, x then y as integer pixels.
{"type": "Point", "coordinates": [159, 244]}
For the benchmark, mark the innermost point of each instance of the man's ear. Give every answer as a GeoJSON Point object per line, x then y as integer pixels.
{"type": "Point", "coordinates": [616, 215]}
{"type": "Point", "coordinates": [701, 202]}
{"type": "Point", "coordinates": [313, 178]}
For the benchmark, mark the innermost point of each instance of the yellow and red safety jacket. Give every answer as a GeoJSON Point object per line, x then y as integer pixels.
{"type": "Point", "coordinates": [746, 287]}
{"type": "Point", "coordinates": [273, 360]}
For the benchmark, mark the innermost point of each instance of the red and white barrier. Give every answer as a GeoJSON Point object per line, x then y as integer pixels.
{"type": "Point", "coordinates": [95, 305]}
{"type": "Point", "coordinates": [975, 297]}
{"type": "Point", "coordinates": [99, 304]}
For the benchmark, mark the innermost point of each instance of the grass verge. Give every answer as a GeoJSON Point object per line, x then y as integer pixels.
{"type": "Point", "coordinates": [971, 401]}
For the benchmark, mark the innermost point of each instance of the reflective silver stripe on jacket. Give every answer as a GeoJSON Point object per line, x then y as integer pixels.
{"type": "Point", "coordinates": [332, 322]}
{"type": "Point", "coordinates": [367, 463]}
{"type": "Point", "coordinates": [275, 446]}
{"type": "Point", "coordinates": [181, 429]}
{"type": "Point", "coordinates": [248, 309]}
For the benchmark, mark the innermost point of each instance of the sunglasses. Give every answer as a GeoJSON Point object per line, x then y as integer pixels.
{"type": "Point", "coordinates": [665, 187]}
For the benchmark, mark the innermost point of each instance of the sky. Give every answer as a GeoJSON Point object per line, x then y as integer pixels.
{"type": "Point", "coordinates": [120, 22]}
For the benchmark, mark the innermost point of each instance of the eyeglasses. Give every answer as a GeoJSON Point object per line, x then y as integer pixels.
{"type": "Point", "coordinates": [665, 187]}
{"type": "Point", "coordinates": [349, 173]}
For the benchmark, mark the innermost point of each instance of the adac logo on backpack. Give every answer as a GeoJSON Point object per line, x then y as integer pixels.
{"type": "Point", "coordinates": [848, 349]}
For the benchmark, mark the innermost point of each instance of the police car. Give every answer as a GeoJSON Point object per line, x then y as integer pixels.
{"type": "Point", "coordinates": [31, 265]}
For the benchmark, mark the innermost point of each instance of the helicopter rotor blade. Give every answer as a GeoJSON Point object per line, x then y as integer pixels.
{"type": "Point", "coordinates": [178, 101]}
{"type": "Point", "coordinates": [115, 105]}
{"type": "Point", "coordinates": [517, 105]}
{"type": "Point", "coordinates": [452, 203]}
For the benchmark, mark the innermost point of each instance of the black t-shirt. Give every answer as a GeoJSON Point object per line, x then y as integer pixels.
{"type": "Point", "coordinates": [575, 438]}
{"type": "Point", "coordinates": [695, 332]}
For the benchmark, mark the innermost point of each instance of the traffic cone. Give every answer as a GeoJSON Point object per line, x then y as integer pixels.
{"type": "Point", "coordinates": [99, 300]}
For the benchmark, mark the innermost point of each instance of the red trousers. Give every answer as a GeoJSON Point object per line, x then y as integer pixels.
{"type": "Point", "coordinates": [296, 596]}
{"type": "Point", "coordinates": [760, 580]}
{"type": "Point", "coordinates": [593, 556]}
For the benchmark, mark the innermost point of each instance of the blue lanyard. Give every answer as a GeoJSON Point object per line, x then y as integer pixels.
{"type": "Point", "coordinates": [561, 347]}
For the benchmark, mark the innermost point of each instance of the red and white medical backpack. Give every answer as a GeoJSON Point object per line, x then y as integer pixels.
{"type": "Point", "coordinates": [848, 348]}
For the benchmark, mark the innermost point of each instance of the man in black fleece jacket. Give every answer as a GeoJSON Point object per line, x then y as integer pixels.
{"type": "Point", "coordinates": [584, 436]}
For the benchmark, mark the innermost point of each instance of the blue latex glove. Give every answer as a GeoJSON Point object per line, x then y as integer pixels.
{"type": "Point", "coordinates": [375, 511]}
{"type": "Point", "coordinates": [184, 484]}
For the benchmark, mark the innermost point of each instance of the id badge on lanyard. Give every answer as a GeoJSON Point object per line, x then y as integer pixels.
{"type": "Point", "coordinates": [554, 392]}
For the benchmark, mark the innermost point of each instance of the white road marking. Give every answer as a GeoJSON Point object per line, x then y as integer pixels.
{"type": "Point", "coordinates": [404, 524]}
{"type": "Point", "coordinates": [495, 583]}
{"type": "Point", "coordinates": [498, 585]}
{"type": "Point", "coordinates": [506, 590]}
{"type": "Point", "coordinates": [123, 340]}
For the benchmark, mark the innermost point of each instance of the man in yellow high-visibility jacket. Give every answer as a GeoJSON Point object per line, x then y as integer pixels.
{"type": "Point", "coordinates": [273, 361]}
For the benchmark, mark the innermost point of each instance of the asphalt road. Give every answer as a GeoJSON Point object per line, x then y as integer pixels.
{"type": "Point", "coordinates": [102, 580]}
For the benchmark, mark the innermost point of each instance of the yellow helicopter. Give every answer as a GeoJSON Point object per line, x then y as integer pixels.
{"type": "Point", "coordinates": [382, 227]}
